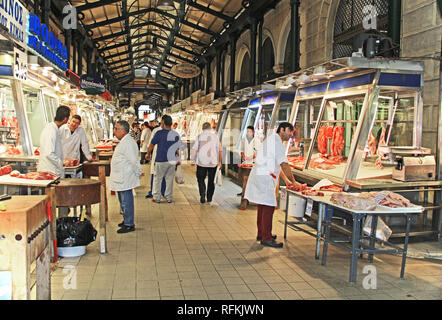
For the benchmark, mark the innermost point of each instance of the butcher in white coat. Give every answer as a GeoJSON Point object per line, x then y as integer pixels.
{"type": "Point", "coordinates": [51, 150]}
{"type": "Point", "coordinates": [73, 138]}
{"type": "Point", "coordinates": [125, 174]}
{"type": "Point", "coordinates": [263, 179]}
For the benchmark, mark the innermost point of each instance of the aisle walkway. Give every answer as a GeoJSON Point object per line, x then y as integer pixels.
{"type": "Point", "coordinates": [186, 250]}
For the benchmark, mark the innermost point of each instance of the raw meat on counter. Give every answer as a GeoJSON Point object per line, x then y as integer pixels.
{"type": "Point", "coordinates": [5, 170]}
{"type": "Point", "coordinates": [298, 161]}
{"type": "Point", "coordinates": [323, 134]}
{"type": "Point", "coordinates": [332, 187]}
{"type": "Point", "coordinates": [70, 162]}
{"type": "Point", "coordinates": [313, 193]}
{"type": "Point", "coordinates": [15, 173]}
{"type": "Point", "coordinates": [389, 199]}
{"type": "Point", "coordinates": [298, 187]}
{"type": "Point", "coordinates": [355, 202]}
{"type": "Point", "coordinates": [39, 175]}
{"type": "Point", "coordinates": [245, 165]}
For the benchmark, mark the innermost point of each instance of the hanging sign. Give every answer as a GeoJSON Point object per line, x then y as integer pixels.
{"type": "Point", "coordinates": [20, 65]}
{"type": "Point", "coordinates": [185, 70]}
{"type": "Point", "coordinates": [13, 16]}
{"type": "Point", "coordinates": [92, 84]}
{"type": "Point", "coordinates": [46, 43]}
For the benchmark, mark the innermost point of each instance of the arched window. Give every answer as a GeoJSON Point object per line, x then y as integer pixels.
{"type": "Point", "coordinates": [268, 60]}
{"type": "Point", "coordinates": [349, 23]}
{"type": "Point", "coordinates": [287, 54]}
{"type": "Point", "coordinates": [244, 78]}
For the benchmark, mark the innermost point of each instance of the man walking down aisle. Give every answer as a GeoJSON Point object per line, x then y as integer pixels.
{"type": "Point", "coordinates": [145, 138]}
{"type": "Point", "coordinates": [207, 154]}
{"type": "Point", "coordinates": [168, 151]}
{"type": "Point", "coordinates": [51, 150]}
{"type": "Point", "coordinates": [125, 174]}
{"type": "Point", "coordinates": [263, 179]}
{"type": "Point", "coordinates": [152, 162]}
{"type": "Point", "coordinates": [74, 140]}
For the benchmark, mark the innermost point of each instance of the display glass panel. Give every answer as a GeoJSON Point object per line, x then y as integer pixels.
{"type": "Point", "coordinates": [35, 113]}
{"type": "Point", "coordinates": [9, 131]}
{"type": "Point", "coordinates": [331, 145]}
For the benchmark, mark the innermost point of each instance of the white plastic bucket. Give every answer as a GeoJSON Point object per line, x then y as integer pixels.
{"type": "Point", "coordinates": [67, 252]}
{"type": "Point", "coordinates": [296, 207]}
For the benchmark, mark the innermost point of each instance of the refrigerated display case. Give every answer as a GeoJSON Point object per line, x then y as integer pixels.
{"type": "Point", "coordinates": [355, 124]}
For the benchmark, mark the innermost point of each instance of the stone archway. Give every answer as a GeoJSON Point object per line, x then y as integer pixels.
{"type": "Point", "coordinates": [244, 49]}
{"type": "Point", "coordinates": [282, 40]}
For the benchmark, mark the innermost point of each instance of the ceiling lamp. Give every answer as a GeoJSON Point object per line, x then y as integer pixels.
{"type": "Point", "coordinates": [166, 5]}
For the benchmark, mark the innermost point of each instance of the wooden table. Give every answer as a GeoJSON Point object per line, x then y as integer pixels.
{"type": "Point", "coordinates": [100, 169]}
{"type": "Point", "coordinates": [244, 173]}
{"type": "Point", "coordinates": [25, 237]}
{"type": "Point", "coordinates": [74, 192]}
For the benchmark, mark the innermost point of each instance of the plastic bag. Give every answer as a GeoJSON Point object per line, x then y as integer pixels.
{"type": "Point", "coordinates": [383, 232]}
{"type": "Point", "coordinates": [72, 232]}
{"type": "Point", "coordinates": [179, 175]}
{"type": "Point", "coordinates": [219, 177]}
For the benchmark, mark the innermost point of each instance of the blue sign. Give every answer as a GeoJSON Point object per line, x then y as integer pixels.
{"type": "Point", "coordinates": [13, 17]}
{"type": "Point", "coordinates": [92, 84]}
{"type": "Point", "coordinates": [46, 43]}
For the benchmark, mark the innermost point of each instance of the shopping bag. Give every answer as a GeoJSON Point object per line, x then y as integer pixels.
{"type": "Point", "coordinates": [179, 175]}
{"type": "Point", "coordinates": [219, 177]}
{"type": "Point", "coordinates": [74, 231]}
{"type": "Point", "coordinates": [383, 232]}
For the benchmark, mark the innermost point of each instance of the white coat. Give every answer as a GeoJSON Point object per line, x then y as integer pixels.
{"type": "Point", "coordinates": [154, 153]}
{"type": "Point", "coordinates": [145, 137]}
{"type": "Point", "coordinates": [249, 148]}
{"type": "Point", "coordinates": [51, 150]}
{"type": "Point", "coordinates": [71, 143]}
{"type": "Point", "coordinates": [125, 167]}
{"type": "Point", "coordinates": [261, 185]}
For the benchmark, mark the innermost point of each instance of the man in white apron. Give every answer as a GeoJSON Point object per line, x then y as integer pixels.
{"type": "Point", "coordinates": [263, 179]}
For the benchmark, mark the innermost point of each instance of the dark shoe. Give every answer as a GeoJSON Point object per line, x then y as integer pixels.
{"type": "Point", "coordinates": [126, 229]}
{"type": "Point", "coordinates": [169, 201]}
{"type": "Point", "coordinates": [202, 200]}
{"type": "Point", "coordinates": [121, 224]}
{"type": "Point", "coordinates": [272, 244]}
{"type": "Point", "coordinates": [260, 238]}
{"type": "Point", "coordinates": [149, 196]}
{"type": "Point", "coordinates": [239, 194]}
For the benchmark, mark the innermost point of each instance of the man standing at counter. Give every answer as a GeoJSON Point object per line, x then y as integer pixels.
{"type": "Point", "coordinates": [74, 140]}
{"type": "Point", "coordinates": [263, 179]}
{"type": "Point", "coordinates": [125, 174]}
{"type": "Point", "coordinates": [51, 150]}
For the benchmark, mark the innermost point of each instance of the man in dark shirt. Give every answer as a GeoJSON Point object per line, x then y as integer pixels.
{"type": "Point", "coordinates": [168, 150]}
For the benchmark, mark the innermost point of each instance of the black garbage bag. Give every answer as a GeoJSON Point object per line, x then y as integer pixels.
{"type": "Point", "coordinates": [72, 232]}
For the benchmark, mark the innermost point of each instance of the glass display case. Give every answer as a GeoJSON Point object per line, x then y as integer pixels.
{"type": "Point", "coordinates": [345, 117]}
{"type": "Point", "coordinates": [266, 111]}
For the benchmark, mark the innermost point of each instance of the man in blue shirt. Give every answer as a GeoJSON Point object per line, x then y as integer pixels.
{"type": "Point", "coordinates": [168, 150]}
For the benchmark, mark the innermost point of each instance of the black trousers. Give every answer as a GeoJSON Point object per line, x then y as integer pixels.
{"type": "Point", "coordinates": [201, 173]}
{"type": "Point", "coordinates": [143, 158]}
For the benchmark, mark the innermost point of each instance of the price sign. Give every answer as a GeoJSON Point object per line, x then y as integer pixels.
{"type": "Point", "coordinates": [20, 65]}
{"type": "Point", "coordinates": [309, 207]}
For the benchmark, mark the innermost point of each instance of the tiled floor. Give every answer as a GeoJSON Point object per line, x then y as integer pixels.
{"type": "Point", "coordinates": [186, 250]}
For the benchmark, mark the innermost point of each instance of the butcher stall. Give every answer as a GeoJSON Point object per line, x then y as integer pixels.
{"type": "Point", "coordinates": [358, 124]}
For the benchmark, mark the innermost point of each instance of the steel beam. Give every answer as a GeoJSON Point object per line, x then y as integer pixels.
{"type": "Point", "coordinates": [210, 11]}
{"type": "Point", "coordinates": [95, 4]}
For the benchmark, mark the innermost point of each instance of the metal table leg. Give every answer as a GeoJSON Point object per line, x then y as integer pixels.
{"type": "Point", "coordinates": [319, 231]}
{"type": "Point", "coordinates": [354, 247]}
{"type": "Point", "coordinates": [404, 253]}
{"type": "Point", "coordinates": [374, 225]}
{"type": "Point", "coordinates": [329, 216]}
{"type": "Point", "coordinates": [286, 212]}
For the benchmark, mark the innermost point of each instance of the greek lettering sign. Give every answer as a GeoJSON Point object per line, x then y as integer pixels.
{"type": "Point", "coordinates": [92, 84]}
{"type": "Point", "coordinates": [20, 64]}
{"type": "Point", "coordinates": [46, 43]}
{"type": "Point", "coordinates": [13, 15]}
{"type": "Point", "coordinates": [185, 70]}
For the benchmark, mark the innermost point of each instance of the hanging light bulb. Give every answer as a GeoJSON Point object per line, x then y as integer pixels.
{"type": "Point", "coordinates": [166, 5]}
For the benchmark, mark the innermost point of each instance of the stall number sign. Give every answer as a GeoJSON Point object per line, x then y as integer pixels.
{"type": "Point", "coordinates": [20, 65]}
{"type": "Point", "coordinates": [309, 208]}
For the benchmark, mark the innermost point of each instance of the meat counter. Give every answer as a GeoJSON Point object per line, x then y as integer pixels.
{"type": "Point", "coordinates": [347, 113]}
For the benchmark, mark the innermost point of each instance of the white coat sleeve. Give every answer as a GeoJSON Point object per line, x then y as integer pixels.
{"type": "Point", "coordinates": [85, 145]}
{"type": "Point", "coordinates": [132, 158]}
{"type": "Point", "coordinates": [49, 150]}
